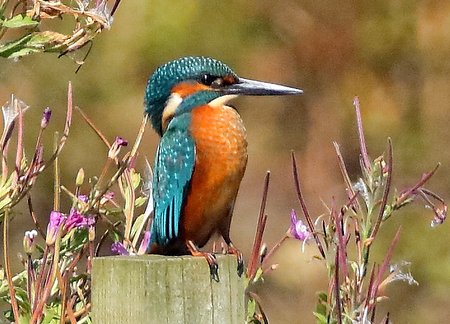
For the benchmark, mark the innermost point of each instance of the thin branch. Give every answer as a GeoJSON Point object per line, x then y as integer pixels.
{"type": "Point", "coordinates": [63, 291]}
{"type": "Point", "coordinates": [138, 137]}
{"type": "Point", "coordinates": [272, 251]}
{"type": "Point", "coordinates": [94, 128]}
{"type": "Point", "coordinates": [34, 218]}
{"type": "Point", "coordinates": [115, 6]}
{"type": "Point", "coordinates": [103, 238]}
{"type": "Point", "coordinates": [387, 188]}
{"type": "Point", "coordinates": [57, 179]}
{"type": "Point", "coordinates": [262, 218]}
{"type": "Point", "coordinates": [367, 303]}
{"type": "Point", "coordinates": [440, 213]}
{"type": "Point", "coordinates": [40, 278]}
{"type": "Point", "coordinates": [70, 313]}
{"type": "Point", "coordinates": [384, 265]}
{"type": "Point", "coordinates": [128, 210]}
{"type": "Point", "coordinates": [362, 140]}
{"type": "Point", "coordinates": [337, 288]}
{"type": "Point", "coordinates": [342, 260]}
{"type": "Point", "coordinates": [408, 192]}
{"type": "Point", "coordinates": [19, 152]}
{"type": "Point", "coordinates": [256, 298]}
{"type": "Point", "coordinates": [303, 205]}
{"type": "Point", "coordinates": [386, 319]}
{"type": "Point", "coordinates": [67, 125]}
{"type": "Point", "coordinates": [51, 279]}
{"type": "Point", "coordinates": [12, 292]}
{"type": "Point", "coordinates": [343, 168]}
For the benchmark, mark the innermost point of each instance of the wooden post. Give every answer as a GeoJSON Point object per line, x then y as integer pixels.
{"type": "Point", "coordinates": [158, 289]}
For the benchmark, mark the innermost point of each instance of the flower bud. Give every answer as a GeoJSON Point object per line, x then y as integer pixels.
{"type": "Point", "coordinates": [55, 223]}
{"type": "Point", "coordinates": [144, 243]}
{"type": "Point", "coordinates": [91, 233]}
{"type": "Point", "coordinates": [115, 147]}
{"type": "Point", "coordinates": [263, 252]}
{"type": "Point", "coordinates": [80, 177]}
{"type": "Point", "coordinates": [29, 243]}
{"type": "Point", "coordinates": [46, 117]}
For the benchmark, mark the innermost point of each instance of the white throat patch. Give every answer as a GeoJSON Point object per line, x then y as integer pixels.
{"type": "Point", "coordinates": [175, 100]}
{"type": "Point", "coordinates": [169, 110]}
{"type": "Point", "coordinates": [221, 101]}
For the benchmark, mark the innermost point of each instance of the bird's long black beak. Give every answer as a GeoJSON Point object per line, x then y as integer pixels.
{"type": "Point", "coordinates": [258, 88]}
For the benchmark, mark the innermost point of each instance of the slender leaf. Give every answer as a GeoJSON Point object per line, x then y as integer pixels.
{"type": "Point", "coordinates": [20, 21]}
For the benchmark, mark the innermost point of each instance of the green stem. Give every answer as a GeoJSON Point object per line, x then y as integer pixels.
{"type": "Point", "coordinates": [365, 260]}
{"type": "Point", "coordinates": [38, 282]}
{"type": "Point", "coordinates": [49, 284]}
{"type": "Point", "coordinates": [272, 251]}
{"type": "Point", "coordinates": [57, 184]}
{"type": "Point", "coordinates": [12, 292]}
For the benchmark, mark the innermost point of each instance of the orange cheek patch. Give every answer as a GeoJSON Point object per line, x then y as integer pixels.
{"type": "Point", "coordinates": [229, 79]}
{"type": "Point", "coordinates": [185, 89]}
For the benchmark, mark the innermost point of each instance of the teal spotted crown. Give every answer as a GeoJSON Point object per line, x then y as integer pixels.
{"type": "Point", "coordinates": [162, 81]}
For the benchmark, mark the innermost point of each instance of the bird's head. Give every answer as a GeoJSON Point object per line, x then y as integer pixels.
{"type": "Point", "coordinates": [178, 80]}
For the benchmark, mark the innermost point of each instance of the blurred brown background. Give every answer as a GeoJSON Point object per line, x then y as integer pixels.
{"type": "Point", "coordinates": [393, 54]}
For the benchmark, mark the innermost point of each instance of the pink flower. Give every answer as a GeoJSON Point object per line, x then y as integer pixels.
{"type": "Point", "coordinates": [298, 230]}
{"type": "Point", "coordinates": [109, 196]}
{"type": "Point", "coordinates": [144, 243]}
{"type": "Point", "coordinates": [46, 117]}
{"type": "Point", "coordinates": [120, 141]}
{"type": "Point", "coordinates": [77, 220]}
{"type": "Point", "coordinates": [115, 147]}
{"type": "Point", "coordinates": [118, 249]}
{"type": "Point", "coordinates": [83, 198]}
{"type": "Point", "coordinates": [56, 220]}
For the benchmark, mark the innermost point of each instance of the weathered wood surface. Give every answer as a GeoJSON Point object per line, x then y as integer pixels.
{"type": "Point", "coordinates": [157, 289]}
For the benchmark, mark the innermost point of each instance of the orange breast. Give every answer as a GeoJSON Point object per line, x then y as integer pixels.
{"type": "Point", "coordinates": [221, 158]}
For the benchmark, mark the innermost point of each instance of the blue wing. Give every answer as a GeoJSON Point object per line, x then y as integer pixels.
{"type": "Point", "coordinates": [174, 166]}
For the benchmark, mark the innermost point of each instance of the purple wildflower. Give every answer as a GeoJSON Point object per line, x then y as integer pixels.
{"type": "Point", "coordinates": [46, 117]}
{"type": "Point", "coordinates": [83, 198]}
{"type": "Point", "coordinates": [56, 220]}
{"type": "Point", "coordinates": [109, 196]}
{"type": "Point", "coordinates": [77, 220]}
{"type": "Point", "coordinates": [298, 230]}
{"type": "Point", "coordinates": [120, 141]}
{"type": "Point", "coordinates": [144, 243]}
{"type": "Point", "coordinates": [119, 249]}
{"type": "Point", "coordinates": [115, 147]}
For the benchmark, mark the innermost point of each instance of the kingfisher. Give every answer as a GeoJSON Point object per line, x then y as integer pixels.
{"type": "Point", "coordinates": [202, 154]}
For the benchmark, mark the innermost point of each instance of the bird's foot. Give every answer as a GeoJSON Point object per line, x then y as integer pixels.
{"type": "Point", "coordinates": [210, 258]}
{"type": "Point", "coordinates": [240, 259]}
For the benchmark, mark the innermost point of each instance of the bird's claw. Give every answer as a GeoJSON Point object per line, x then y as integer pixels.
{"type": "Point", "coordinates": [240, 259]}
{"type": "Point", "coordinates": [210, 258]}
{"type": "Point", "coordinates": [214, 271]}
{"type": "Point", "coordinates": [240, 267]}
{"type": "Point", "coordinates": [213, 266]}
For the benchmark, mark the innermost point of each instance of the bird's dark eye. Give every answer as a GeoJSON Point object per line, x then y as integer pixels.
{"type": "Point", "coordinates": [208, 79]}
